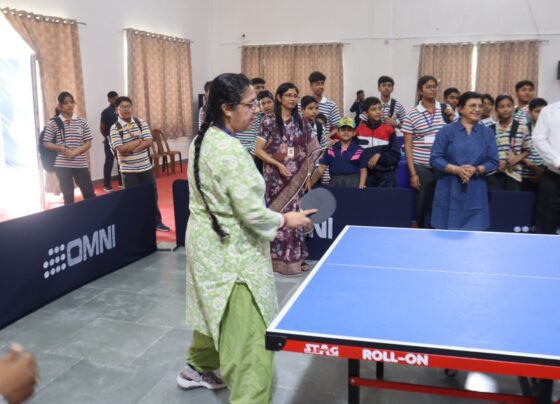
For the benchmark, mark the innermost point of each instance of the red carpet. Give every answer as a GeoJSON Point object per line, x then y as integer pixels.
{"type": "Point", "coordinates": [164, 185]}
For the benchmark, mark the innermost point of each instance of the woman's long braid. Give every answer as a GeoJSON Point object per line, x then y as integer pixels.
{"type": "Point", "coordinates": [197, 144]}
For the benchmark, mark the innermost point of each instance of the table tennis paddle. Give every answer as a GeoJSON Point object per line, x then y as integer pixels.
{"type": "Point", "coordinates": [321, 199]}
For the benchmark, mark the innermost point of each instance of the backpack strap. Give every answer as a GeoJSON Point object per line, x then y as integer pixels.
{"type": "Point", "coordinates": [392, 107]}
{"type": "Point", "coordinates": [513, 131]}
{"type": "Point", "coordinates": [443, 114]}
{"type": "Point", "coordinates": [60, 126]}
{"type": "Point", "coordinates": [319, 131]}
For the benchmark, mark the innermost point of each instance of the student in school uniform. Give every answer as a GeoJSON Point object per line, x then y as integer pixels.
{"type": "Point", "coordinates": [266, 103]}
{"type": "Point", "coordinates": [524, 92]}
{"type": "Point", "coordinates": [309, 112]}
{"type": "Point", "coordinates": [451, 98]}
{"type": "Point", "coordinates": [258, 84]}
{"type": "Point", "coordinates": [131, 138]}
{"type": "Point", "coordinates": [514, 144]}
{"type": "Point", "coordinates": [326, 107]}
{"type": "Point", "coordinates": [420, 128]}
{"type": "Point", "coordinates": [344, 159]}
{"type": "Point", "coordinates": [533, 166]}
{"type": "Point", "coordinates": [201, 114]}
{"type": "Point", "coordinates": [380, 145]}
{"type": "Point", "coordinates": [486, 117]}
{"type": "Point", "coordinates": [72, 143]}
{"type": "Point", "coordinates": [394, 112]}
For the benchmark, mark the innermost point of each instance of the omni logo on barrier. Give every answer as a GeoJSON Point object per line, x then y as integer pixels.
{"type": "Point", "coordinates": [324, 229]}
{"type": "Point", "coordinates": [79, 250]}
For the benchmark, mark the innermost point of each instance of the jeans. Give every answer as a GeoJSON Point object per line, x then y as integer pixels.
{"type": "Point", "coordinates": [66, 177]}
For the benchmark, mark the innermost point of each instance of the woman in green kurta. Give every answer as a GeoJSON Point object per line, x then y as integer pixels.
{"type": "Point", "coordinates": [231, 296]}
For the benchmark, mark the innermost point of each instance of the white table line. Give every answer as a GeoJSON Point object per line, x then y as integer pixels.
{"type": "Point", "coordinates": [551, 278]}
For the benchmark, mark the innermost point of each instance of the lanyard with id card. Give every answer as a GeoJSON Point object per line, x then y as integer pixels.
{"type": "Point", "coordinates": [429, 139]}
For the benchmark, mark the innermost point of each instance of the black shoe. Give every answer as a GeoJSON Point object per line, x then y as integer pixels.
{"type": "Point", "coordinates": [162, 227]}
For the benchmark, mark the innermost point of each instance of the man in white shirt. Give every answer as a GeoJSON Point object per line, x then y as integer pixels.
{"type": "Point", "coordinates": [546, 139]}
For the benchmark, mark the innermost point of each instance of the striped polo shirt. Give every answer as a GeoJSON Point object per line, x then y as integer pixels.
{"type": "Point", "coordinates": [76, 133]}
{"type": "Point", "coordinates": [423, 126]}
{"type": "Point", "coordinates": [488, 121]}
{"type": "Point", "coordinates": [399, 112]}
{"type": "Point", "coordinates": [248, 137]}
{"type": "Point", "coordinates": [522, 114]}
{"type": "Point", "coordinates": [534, 157]}
{"type": "Point", "coordinates": [520, 143]}
{"type": "Point", "coordinates": [136, 162]}
{"type": "Point", "coordinates": [331, 111]}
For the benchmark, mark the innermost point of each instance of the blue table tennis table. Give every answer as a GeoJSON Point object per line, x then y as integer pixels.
{"type": "Point", "coordinates": [472, 301]}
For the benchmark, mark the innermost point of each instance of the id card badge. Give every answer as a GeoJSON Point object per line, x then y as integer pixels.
{"type": "Point", "coordinates": [291, 152]}
{"type": "Point", "coordinates": [430, 139]}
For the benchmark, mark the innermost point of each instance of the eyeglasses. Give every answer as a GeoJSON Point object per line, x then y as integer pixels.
{"type": "Point", "coordinates": [125, 106]}
{"type": "Point", "coordinates": [251, 105]}
{"type": "Point", "coordinates": [294, 96]}
{"type": "Point", "coordinates": [473, 106]}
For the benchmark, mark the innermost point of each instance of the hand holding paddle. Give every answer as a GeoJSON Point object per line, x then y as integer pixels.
{"type": "Point", "coordinates": [298, 219]}
{"type": "Point", "coordinates": [322, 201]}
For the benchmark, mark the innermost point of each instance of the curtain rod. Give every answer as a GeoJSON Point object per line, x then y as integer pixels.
{"type": "Point", "coordinates": [287, 44]}
{"type": "Point", "coordinates": [481, 42]}
{"type": "Point", "coordinates": [156, 35]}
{"type": "Point", "coordinates": [30, 15]}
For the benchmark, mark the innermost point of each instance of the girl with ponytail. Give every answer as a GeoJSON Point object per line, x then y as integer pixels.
{"type": "Point", "coordinates": [231, 296]}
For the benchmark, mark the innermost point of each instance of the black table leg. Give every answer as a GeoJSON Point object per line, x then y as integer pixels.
{"type": "Point", "coordinates": [545, 392]}
{"type": "Point", "coordinates": [353, 390]}
{"type": "Point", "coordinates": [379, 370]}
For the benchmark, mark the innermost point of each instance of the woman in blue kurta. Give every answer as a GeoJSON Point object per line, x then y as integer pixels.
{"type": "Point", "coordinates": [463, 153]}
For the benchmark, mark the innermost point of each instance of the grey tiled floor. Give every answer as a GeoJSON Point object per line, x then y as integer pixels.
{"type": "Point", "coordinates": [122, 339]}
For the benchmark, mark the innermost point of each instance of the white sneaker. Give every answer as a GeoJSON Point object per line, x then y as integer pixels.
{"type": "Point", "coordinates": [189, 378]}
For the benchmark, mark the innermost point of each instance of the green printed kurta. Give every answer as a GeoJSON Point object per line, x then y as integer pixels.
{"type": "Point", "coordinates": [234, 190]}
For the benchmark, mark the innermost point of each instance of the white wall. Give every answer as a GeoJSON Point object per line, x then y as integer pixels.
{"type": "Point", "coordinates": [102, 46]}
{"type": "Point", "coordinates": [381, 35]}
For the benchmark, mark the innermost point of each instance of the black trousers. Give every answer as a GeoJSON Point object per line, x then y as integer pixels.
{"type": "Point", "coordinates": [503, 182]}
{"type": "Point", "coordinates": [425, 195]}
{"type": "Point", "coordinates": [548, 203]}
{"type": "Point", "coordinates": [381, 179]}
{"type": "Point", "coordinates": [144, 177]}
{"type": "Point", "coordinates": [66, 177]}
{"type": "Point", "coordinates": [108, 166]}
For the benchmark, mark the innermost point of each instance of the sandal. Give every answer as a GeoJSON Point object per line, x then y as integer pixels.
{"type": "Point", "coordinates": [304, 266]}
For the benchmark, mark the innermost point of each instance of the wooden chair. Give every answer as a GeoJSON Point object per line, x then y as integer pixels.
{"type": "Point", "coordinates": [158, 154]}
{"type": "Point", "coordinates": [165, 149]}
